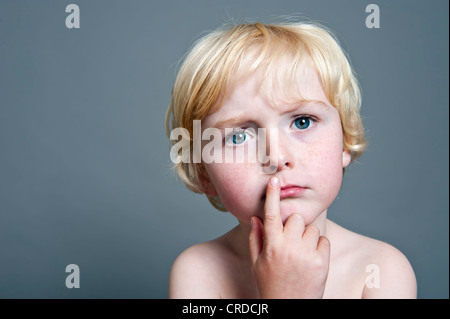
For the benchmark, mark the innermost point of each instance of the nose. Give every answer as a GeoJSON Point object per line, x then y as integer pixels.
{"type": "Point", "coordinates": [280, 152]}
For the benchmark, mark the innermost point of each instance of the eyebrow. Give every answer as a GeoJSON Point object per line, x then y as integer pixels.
{"type": "Point", "coordinates": [231, 122]}
{"type": "Point", "coordinates": [305, 103]}
{"type": "Point", "coordinates": [240, 121]}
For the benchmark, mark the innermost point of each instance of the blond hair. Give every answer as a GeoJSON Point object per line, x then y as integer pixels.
{"type": "Point", "coordinates": [214, 61]}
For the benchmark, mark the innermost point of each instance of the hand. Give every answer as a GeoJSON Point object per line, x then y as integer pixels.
{"type": "Point", "coordinates": [290, 261]}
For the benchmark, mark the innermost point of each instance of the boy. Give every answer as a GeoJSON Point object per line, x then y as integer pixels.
{"type": "Point", "coordinates": [295, 81]}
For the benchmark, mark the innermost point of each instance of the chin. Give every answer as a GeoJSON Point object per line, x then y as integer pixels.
{"type": "Point", "coordinates": [309, 214]}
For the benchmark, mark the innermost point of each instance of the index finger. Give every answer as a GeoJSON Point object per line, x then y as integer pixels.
{"type": "Point", "coordinates": [273, 224]}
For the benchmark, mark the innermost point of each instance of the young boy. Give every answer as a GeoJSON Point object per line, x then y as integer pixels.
{"type": "Point", "coordinates": [294, 81]}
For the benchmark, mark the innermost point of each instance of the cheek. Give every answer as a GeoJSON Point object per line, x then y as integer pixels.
{"type": "Point", "coordinates": [236, 185]}
{"type": "Point", "coordinates": [327, 166]}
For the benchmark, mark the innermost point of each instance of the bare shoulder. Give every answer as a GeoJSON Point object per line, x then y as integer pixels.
{"type": "Point", "coordinates": [396, 278]}
{"type": "Point", "coordinates": [196, 272]}
{"type": "Point", "coordinates": [387, 271]}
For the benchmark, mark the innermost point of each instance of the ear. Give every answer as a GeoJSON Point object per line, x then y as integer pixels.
{"type": "Point", "coordinates": [346, 158]}
{"type": "Point", "coordinates": [207, 186]}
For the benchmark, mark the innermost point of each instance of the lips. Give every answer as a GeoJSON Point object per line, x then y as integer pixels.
{"type": "Point", "coordinates": [291, 191]}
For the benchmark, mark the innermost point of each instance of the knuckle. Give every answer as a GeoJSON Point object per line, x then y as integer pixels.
{"type": "Point", "coordinates": [318, 262]}
{"type": "Point", "coordinates": [313, 229]}
{"type": "Point", "coordinates": [297, 217]}
{"type": "Point", "coordinates": [296, 220]}
{"type": "Point", "coordinates": [269, 218]}
{"type": "Point", "coordinates": [324, 241]}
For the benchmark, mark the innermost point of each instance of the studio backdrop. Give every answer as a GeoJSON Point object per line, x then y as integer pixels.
{"type": "Point", "coordinates": [89, 207]}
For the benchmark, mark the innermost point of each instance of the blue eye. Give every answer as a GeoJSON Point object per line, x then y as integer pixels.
{"type": "Point", "coordinates": [302, 123]}
{"type": "Point", "coordinates": [239, 138]}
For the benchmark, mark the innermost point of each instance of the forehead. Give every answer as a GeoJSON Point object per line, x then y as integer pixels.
{"type": "Point", "coordinates": [272, 89]}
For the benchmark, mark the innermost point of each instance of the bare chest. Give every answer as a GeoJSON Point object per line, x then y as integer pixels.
{"type": "Point", "coordinates": [342, 283]}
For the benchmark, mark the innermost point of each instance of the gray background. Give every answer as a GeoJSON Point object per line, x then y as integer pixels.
{"type": "Point", "coordinates": [84, 161]}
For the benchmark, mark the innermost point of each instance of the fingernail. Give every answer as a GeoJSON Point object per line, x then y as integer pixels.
{"type": "Point", "coordinates": [274, 181]}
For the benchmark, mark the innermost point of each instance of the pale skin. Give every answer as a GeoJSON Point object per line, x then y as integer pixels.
{"type": "Point", "coordinates": [284, 246]}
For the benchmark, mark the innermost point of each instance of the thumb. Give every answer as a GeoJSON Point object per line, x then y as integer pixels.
{"type": "Point", "coordinates": [256, 238]}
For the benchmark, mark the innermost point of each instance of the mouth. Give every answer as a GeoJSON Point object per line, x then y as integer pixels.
{"type": "Point", "coordinates": [289, 191]}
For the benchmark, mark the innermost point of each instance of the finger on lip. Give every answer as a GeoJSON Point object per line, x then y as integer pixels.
{"type": "Point", "coordinates": [274, 181]}
{"type": "Point", "coordinates": [272, 219]}
{"type": "Point", "coordinates": [272, 193]}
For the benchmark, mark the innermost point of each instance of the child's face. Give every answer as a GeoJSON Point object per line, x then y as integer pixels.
{"type": "Point", "coordinates": [310, 150]}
